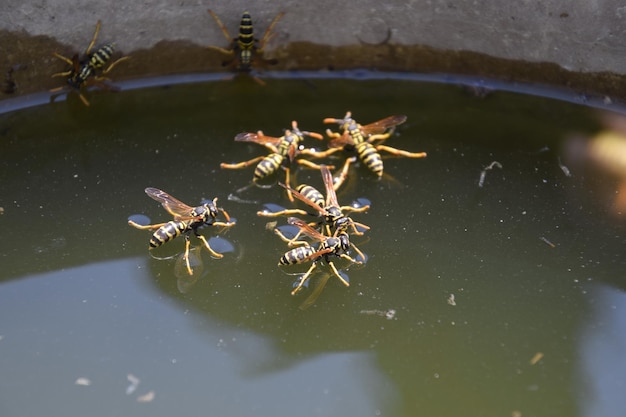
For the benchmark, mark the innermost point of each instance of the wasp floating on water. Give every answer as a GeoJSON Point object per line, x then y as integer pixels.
{"type": "Point", "coordinates": [284, 151]}
{"type": "Point", "coordinates": [363, 139]}
{"type": "Point", "coordinates": [187, 220]}
{"type": "Point", "coordinates": [336, 245]}
{"type": "Point", "coordinates": [245, 48]}
{"type": "Point", "coordinates": [328, 208]}
{"type": "Point", "coordinates": [91, 69]}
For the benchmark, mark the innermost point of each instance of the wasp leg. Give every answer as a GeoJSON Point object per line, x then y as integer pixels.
{"type": "Point", "coordinates": [331, 134]}
{"type": "Point", "coordinates": [356, 231]}
{"type": "Point", "coordinates": [344, 173]}
{"type": "Point", "coordinates": [287, 212]}
{"type": "Point", "coordinates": [95, 36]}
{"type": "Point", "coordinates": [67, 60]}
{"type": "Point", "coordinates": [355, 209]}
{"type": "Point", "coordinates": [114, 63]}
{"type": "Point", "coordinates": [146, 227]}
{"type": "Point", "coordinates": [208, 247]}
{"type": "Point", "coordinates": [288, 183]}
{"type": "Point", "coordinates": [224, 212]}
{"type": "Point", "coordinates": [337, 274]}
{"type": "Point", "coordinates": [379, 137]}
{"type": "Point", "coordinates": [258, 81]}
{"type": "Point", "coordinates": [222, 224]}
{"type": "Point", "coordinates": [241, 164]}
{"type": "Point", "coordinates": [224, 31]}
{"type": "Point", "coordinates": [400, 152]}
{"type": "Point", "coordinates": [268, 35]}
{"type": "Point", "coordinates": [304, 279]}
{"type": "Point", "coordinates": [83, 99]}
{"type": "Point", "coordinates": [293, 241]}
{"type": "Point", "coordinates": [358, 252]}
{"type": "Point", "coordinates": [57, 89]}
{"type": "Point", "coordinates": [186, 256]}
{"type": "Point", "coordinates": [319, 154]}
{"type": "Point", "coordinates": [312, 165]}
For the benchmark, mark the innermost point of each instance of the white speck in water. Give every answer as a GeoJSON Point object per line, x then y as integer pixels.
{"type": "Point", "coordinates": [451, 300]}
{"type": "Point", "coordinates": [85, 382]}
{"type": "Point", "coordinates": [146, 398]}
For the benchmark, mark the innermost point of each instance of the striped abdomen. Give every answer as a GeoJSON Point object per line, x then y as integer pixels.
{"type": "Point", "coordinates": [312, 194]}
{"type": "Point", "coordinates": [78, 78]}
{"type": "Point", "coordinates": [297, 255]}
{"type": "Point", "coordinates": [99, 58]}
{"type": "Point", "coordinates": [370, 157]}
{"type": "Point", "coordinates": [268, 166]}
{"type": "Point", "coordinates": [246, 33]}
{"type": "Point", "coordinates": [167, 232]}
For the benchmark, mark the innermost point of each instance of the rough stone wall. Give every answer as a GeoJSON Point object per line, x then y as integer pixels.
{"type": "Point", "coordinates": [515, 40]}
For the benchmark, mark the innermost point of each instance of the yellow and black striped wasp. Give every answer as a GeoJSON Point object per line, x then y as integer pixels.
{"type": "Point", "coordinates": [336, 245]}
{"type": "Point", "coordinates": [245, 47]}
{"type": "Point", "coordinates": [327, 208]}
{"type": "Point", "coordinates": [284, 151]}
{"type": "Point", "coordinates": [362, 140]}
{"type": "Point", "coordinates": [187, 220]}
{"type": "Point", "coordinates": [91, 69]}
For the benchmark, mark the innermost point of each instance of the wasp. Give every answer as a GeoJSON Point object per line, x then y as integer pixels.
{"type": "Point", "coordinates": [328, 208]}
{"type": "Point", "coordinates": [362, 139]}
{"type": "Point", "coordinates": [283, 152]}
{"type": "Point", "coordinates": [336, 245]}
{"type": "Point", "coordinates": [91, 69]}
{"type": "Point", "coordinates": [245, 47]}
{"type": "Point", "coordinates": [187, 220]}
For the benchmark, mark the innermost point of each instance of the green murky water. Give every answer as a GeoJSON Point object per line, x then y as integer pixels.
{"type": "Point", "coordinates": [499, 300]}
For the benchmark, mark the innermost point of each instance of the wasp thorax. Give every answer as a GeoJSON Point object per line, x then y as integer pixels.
{"type": "Point", "coordinates": [344, 242]}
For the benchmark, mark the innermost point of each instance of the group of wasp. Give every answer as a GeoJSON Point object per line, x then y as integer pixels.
{"type": "Point", "coordinates": [324, 227]}
{"type": "Point", "coordinates": [326, 235]}
{"type": "Point", "coordinates": [91, 70]}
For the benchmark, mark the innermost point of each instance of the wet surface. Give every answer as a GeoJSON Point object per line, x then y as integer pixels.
{"type": "Point", "coordinates": [33, 55]}
{"type": "Point", "coordinates": [500, 297]}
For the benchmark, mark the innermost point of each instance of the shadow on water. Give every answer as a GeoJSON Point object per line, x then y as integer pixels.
{"type": "Point", "coordinates": [498, 298]}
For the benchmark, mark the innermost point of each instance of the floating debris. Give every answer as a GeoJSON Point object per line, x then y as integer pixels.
{"type": "Point", "coordinates": [146, 398]}
{"type": "Point", "coordinates": [134, 383]}
{"type": "Point", "coordinates": [538, 356]}
{"type": "Point", "coordinates": [388, 314]}
{"type": "Point", "coordinates": [237, 199]}
{"type": "Point", "coordinates": [489, 167]}
{"type": "Point", "coordinates": [565, 169]}
{"type": "Point", "coordinates": [451, 300]}
{"type": "Point", "coordinates": [547, 242]}
{"type": "Point", "coordinates": [85, 382]}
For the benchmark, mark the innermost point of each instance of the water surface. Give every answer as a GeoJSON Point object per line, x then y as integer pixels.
{"type": "Point", "coordinates": [501, 299]}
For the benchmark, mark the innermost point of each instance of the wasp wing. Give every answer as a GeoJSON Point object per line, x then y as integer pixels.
{"type": "Point", "coordinates": [383, 125]}
{"type": "Point", "coordinates": [269, 142]}
{"type": "Point", "coordinates": [340, 141]}
{"type": "Point", "coordinates": [306, 228]}
{"type": "Point", "coordinates": [308, 202]}
{"type": "Point", "coordinates": [175, 207]}
{"type": "Point", "coordinates": [331, 196]}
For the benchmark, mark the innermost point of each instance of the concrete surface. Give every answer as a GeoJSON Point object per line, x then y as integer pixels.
{"type": "Point", "coordinates": [578, 43]}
